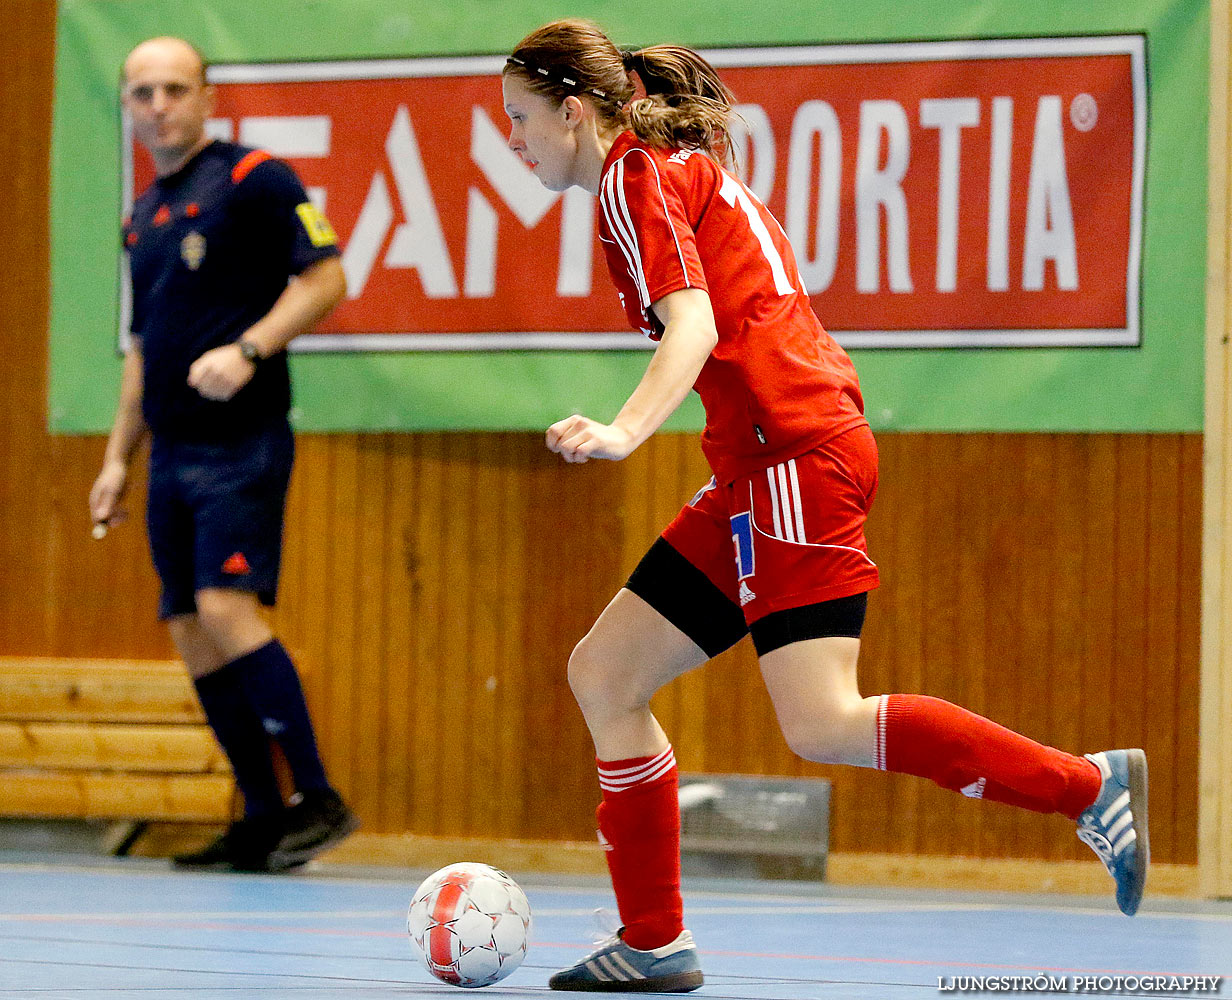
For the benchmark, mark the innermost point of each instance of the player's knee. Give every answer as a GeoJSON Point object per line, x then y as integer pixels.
{"type": "Point", "coordinates": [828, 735]}
{"type": "Point", "coordinates": [586, 679]}
{"type": "Point", "coordinates": [595, 685]}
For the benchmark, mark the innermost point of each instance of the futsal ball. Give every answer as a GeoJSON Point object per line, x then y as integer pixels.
{"type": "Point", "coordinates": [470, 924]}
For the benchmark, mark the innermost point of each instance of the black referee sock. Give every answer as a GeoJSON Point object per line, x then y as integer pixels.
{"type": "Point", "coordinates": [272, 690]}
{"type": "Point", "coordinates": [242, 738]}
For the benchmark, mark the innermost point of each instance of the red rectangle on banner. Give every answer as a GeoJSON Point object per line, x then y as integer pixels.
{"type": "Point", "coordinates": [974, 193]}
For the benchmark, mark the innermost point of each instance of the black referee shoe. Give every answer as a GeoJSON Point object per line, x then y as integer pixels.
{"type": "Point", "coordinates": [313, 825]}
{"type": "Point", "coordinates": [244, 847]}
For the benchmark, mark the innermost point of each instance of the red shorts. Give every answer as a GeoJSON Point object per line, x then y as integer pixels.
{"type": "Point", "coordinates": [788, 536]}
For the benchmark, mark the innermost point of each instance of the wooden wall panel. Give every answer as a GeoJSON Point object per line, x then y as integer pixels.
{"type": "Point", "coordinates": [1215, 692]}
{"type": "Point", "coordinates": [25, 115]}
{"type": "Point", "coordinates": [1184, 754]}
{"type": "Point", "coordinates": [434, 586]}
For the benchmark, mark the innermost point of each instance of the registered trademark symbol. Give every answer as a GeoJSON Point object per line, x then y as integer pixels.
{"type": "Point", "coordinates": [1084, 112]}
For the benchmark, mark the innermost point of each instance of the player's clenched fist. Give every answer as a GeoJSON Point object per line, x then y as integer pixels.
{"type": "Point", "coordinates": [579, 438]}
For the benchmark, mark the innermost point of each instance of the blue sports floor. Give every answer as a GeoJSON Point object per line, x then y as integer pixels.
{"type": "Point", "coordinates": [134, 929]}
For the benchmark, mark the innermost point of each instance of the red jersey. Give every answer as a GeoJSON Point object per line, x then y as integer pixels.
{"type": "Point", "coordinates": [776, 385]}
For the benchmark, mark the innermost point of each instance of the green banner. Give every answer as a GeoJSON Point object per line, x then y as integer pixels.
{"type": "Point", "coordinates": [1000, 210]}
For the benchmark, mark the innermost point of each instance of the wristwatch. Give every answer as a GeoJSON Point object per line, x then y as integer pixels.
{"type": "Point", "coordinates": [249, 352]}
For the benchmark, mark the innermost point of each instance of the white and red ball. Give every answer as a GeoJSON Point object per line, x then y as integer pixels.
{"type": "Point", "coordinates": [470, 924]}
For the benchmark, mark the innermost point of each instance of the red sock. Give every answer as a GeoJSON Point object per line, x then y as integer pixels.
{"type": "Point", "coordinates": [967, 753]}
{"type": "Point", "coordinates": [639, 827]}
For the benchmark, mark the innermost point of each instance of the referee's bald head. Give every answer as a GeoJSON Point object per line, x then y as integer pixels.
{"type": "Point", "coordinates": [167, 48]}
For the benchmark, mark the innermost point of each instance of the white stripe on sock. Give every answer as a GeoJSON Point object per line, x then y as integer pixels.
{"type": "Point", "coordinates": [879, 748]}
{"type": "Point", "coordinates": [626, 784]}
{"type": "Point", "coordinates": [622, 779]}
{"type": "Point", "coordinates": [616, 772]}
{"type": "Point", "coordinates": [640, 776]}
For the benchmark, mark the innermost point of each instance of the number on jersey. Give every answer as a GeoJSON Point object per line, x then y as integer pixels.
{"type": "Point", "coordinates": [733, 192]}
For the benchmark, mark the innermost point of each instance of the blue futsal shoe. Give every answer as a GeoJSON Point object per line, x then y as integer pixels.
{"type": "Point", "coordinates": [616, 968]}
{"type": "Point", "coordinates": [1115, 826]}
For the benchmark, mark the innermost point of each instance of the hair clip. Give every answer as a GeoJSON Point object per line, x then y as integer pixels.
{"type": "Point", "coordinates": [545, 72]}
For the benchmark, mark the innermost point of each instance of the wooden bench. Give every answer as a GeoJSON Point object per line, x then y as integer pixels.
{"type": "Point", "coordinates": [108, 739]}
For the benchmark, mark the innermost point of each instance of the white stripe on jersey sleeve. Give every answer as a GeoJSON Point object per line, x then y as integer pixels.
{"type": "Point", "coordinates": [626, 238]}
{"type": "Point", "coordinates": [622, 210]}
{"type": "Point", "coordinates": [667, 216]}
{"type": "Point", "coordinates": [615, 205]}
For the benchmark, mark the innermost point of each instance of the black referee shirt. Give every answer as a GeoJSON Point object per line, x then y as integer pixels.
{"type": "Point", "coordinates": [211, 247]}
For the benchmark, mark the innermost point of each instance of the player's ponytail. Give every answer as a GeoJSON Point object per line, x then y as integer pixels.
{"type": "Point", "coordinates": [686, 104]}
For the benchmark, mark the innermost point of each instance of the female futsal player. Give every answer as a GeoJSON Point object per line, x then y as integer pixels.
{"type": "Point", "coordinates": [774, 544]}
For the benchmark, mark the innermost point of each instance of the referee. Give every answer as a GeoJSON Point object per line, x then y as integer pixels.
{"type": "Point", "coordinates": [230, 261]}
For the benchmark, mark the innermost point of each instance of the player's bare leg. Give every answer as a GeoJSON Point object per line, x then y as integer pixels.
{"type": "Point", "coordinates": [817, 700]}
{"type": "Point", "coordinates": [824, 718]}
{"type": "Point", "coordinates": [629, 654]}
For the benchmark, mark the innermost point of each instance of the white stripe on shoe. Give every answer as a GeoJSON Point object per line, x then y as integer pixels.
{"type": "Point", "coordinates": [1129, 837]}
{"type": "Point", "coordinates": [625, 966]}
{"type": "Point", "coordinates": [595, 970]}
{"type": "Point", "coordinates": [1118, 822]}
{"type": "Point", "coordinates": [1122, 802]}
{"type": "Point", "coordinates": [611, 968]}
{"type": "Point", "coordinates": [1116, 828]}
